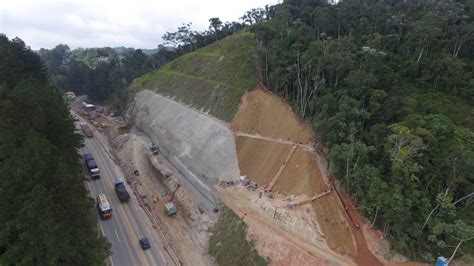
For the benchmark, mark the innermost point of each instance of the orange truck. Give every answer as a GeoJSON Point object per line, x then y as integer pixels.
{"type": "Point", "coordinates": [87, 130]}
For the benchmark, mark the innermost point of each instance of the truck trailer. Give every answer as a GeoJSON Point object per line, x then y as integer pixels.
{"type": "Point", "coordinates": [87, 130]}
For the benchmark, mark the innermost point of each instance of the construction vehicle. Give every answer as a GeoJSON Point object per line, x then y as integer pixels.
{"type": "Point", "coordinates": [170, 209]}
{"type": "Point", "coordinates": [103, 206]}
{"type": "Point", "coordinates": [87, 130]}
{"type": "Point", "coordinates": [154, 149]}
{"type": "Point", "coordinates": [92, 166]}
{"type": "Point", "coordinates": [121, 191]}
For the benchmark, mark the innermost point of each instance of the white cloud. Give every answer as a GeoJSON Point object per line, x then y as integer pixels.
{"type": "Point", "coordinates": [99, 23]}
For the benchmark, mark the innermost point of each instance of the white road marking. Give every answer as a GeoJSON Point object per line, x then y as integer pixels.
{"type": "Point", "coordinates": [115, 230]}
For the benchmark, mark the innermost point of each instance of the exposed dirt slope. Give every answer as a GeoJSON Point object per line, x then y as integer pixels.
{"type": "Point", "coordinates": [301, 176]}
{"type": "Point", "coordinates": [260, 158]}
{"type": "Point", "coordinates": [268, 115]}
{"type": "Point", "coordinates": [278, 160]}
{"type": "Point", "coordinates": [333, 223]}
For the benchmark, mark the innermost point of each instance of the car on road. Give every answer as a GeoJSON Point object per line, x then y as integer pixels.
{"type": "Point", "coordinates": [145, 243]}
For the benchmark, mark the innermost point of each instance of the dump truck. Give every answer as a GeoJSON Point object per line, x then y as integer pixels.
{"type": "Point", "coordinates": [121, 191]}
{"type": "Point", "coordinates": [91, 166]}
{"type": "Point", "coordinates": [170, 209]}
{"type": "Point", "coordinates": [87, 130]}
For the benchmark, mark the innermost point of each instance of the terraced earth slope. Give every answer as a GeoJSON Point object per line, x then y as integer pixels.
{"type": "Point", "coordinates": [276, 158]}
{"type": "Point", "coordinates": [211, 79]}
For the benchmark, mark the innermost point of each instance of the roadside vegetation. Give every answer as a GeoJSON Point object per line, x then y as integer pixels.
{"type": "Point", "coordinates": [211, 79]}
{"type": "Point", "coordinates": [45, 214]}
{"type": "Point", "coordinates": [228, 242]}
{"type": "Point", "coordinates": [389, 89]}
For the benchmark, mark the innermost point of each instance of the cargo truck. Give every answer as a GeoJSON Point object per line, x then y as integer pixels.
{"type": "Point", "coordinates": [91, 166]}
{"type": "Point", "coordinates": [121, 191]}
{"type": "Point", "coordinates": [87, 130]}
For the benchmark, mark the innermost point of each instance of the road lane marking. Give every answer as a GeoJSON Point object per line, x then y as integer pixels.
{"type": "Point", "coordinates": [115, 230]}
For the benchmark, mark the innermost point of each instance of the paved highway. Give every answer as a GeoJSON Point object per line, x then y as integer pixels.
{"type": "Point", "coordinates": [129, 221]}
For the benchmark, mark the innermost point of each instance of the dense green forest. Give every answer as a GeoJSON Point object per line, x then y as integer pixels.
{"type": "Point", "coordinates": [389, 89]}
{"type": "Point", "coordinates": [105, 73]}
{"type": "Point", "coordinates": [45, 215]}
{"type": "Point", "coordinates": [101, 73]}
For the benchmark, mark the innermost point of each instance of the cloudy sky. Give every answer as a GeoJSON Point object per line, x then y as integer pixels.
{"type": "Point", "coordinates": [99, 23]}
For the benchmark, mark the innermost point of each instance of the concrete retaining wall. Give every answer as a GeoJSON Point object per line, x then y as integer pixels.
{"type": "Point", "coordinates": [199, 146]}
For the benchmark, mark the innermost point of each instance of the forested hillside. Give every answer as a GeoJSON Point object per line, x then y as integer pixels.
{"type": "Point", "coordinates": [389, 88]}
{"type": "Point", "coordinates": [101, 73]}
{"type": "Point", "coordinates": [45, 215]}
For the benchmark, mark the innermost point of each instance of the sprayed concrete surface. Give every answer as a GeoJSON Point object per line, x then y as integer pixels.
{"type": "Point", "coordinates": [202, 149]}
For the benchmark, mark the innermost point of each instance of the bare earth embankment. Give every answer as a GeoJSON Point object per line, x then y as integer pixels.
{"type": "Point", "coordinates": [272, 151]}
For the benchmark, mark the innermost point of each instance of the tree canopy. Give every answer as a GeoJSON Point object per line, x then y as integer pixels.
{"type": "Point", "coordinates": [389, 88]}
{"type": "Point", "coordinates": [45, 214]}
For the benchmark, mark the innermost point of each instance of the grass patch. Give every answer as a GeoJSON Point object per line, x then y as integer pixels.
{"type": "Point", "coordinates": [211, 79]}
{"type": "Point", "coordinates": [228, 243]}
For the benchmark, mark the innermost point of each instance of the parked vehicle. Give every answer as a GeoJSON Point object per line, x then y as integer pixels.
{"type": "Point", "coordinates": [170, 209]}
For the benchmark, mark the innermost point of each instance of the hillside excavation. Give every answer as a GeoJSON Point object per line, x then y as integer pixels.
{"type": "Point", "coordinates": [275, 158]}
{"type": "Point", "coordinates": [293, 212]}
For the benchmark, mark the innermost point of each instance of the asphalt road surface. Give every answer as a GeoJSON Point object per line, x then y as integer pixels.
{"type": "Point", "coordinates": [129, 221]}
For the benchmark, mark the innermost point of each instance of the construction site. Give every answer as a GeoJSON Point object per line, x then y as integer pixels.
{"type": "Point", "coordinates": [265, 165]}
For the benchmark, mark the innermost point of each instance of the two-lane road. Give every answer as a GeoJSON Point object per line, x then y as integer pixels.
{"type": "Point", "coordinates": [129, 221]}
